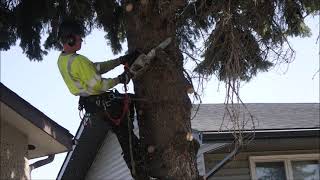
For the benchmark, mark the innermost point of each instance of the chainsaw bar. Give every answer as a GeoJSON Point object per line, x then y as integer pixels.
{"type": "Point", "coordinates": [142, 62]}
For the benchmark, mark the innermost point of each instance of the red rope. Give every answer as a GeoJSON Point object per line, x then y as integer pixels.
{"type": "Point", "coordinates": [125, 108]}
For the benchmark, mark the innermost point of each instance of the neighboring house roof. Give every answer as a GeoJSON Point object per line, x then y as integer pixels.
{"type": "Point", "coordinates": [272, 120]}
{"type": "Point", "coordinates": [47, 136]}
{"type": "Point", "coordinates": [268, 116]}
{"type": "Point", "coordinates": [277, 126]}
{"type": "Point", "coordinates": [208, 120]}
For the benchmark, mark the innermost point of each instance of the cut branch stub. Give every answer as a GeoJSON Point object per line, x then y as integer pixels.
{"type": "Point", "coordinates": [129, 7]}
{"type": "Point", "coordinates": [189, 136]}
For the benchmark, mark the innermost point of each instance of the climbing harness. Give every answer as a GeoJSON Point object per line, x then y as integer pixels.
{"type": "Point", "coordinates": [125, 108]}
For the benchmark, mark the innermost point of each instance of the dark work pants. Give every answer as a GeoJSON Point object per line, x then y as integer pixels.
{"type": "Point", "coordinates": [122, 131]}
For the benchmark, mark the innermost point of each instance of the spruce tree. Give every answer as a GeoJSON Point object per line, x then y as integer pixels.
{"type": "Point", "coordinates": [234, 40]}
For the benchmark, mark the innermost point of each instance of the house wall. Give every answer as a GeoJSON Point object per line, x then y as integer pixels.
{"type": "Point", "coordinates": [14, 148]}
{"type": "Point", "coordinates": [109, 163]}
{"type": "Point", "coordinates": [239, 167]}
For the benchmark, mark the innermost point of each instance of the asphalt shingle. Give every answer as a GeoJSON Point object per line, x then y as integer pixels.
{"type": "Point", "coordinates": [266, 116]}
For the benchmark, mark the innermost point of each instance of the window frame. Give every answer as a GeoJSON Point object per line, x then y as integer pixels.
{"type": "Point", "coordinates": [286, 159]}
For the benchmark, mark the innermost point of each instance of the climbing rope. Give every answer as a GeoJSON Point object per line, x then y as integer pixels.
{"type": "Point", "coordinates": [126, 99]}
{"type": "Point", "coordinates": [125, 108]}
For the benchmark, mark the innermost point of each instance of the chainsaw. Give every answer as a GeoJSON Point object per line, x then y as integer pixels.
{"type": "Point", "coordinates": [143, 61]}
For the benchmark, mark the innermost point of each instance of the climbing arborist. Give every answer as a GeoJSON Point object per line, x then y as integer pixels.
{"type": "Point", "coordinates": [83, 78]}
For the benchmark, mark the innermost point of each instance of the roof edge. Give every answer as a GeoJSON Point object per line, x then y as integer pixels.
{"type": "Point", "coordinates": [270, 134]}
{"type": "Point", "coordinates": [35, 116]}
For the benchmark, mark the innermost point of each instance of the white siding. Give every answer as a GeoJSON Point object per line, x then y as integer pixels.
{"type": "Point", "coordinates": [109, 163]}
{"type": "Point", "coordinates": [200, 164]}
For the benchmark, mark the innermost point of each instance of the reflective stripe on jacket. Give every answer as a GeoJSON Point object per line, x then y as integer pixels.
{"type": "Point", "coordinates": [82, 76]}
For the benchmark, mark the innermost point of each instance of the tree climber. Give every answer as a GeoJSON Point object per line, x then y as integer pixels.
{"type": "Point", "coordinates": [83, 78]}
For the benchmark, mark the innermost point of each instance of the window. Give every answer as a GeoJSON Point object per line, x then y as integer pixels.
{"type": "Point", "coordinates": [270, 170]}
{"type": "Point", "coordinates": [308, 170]}
{"type": "Point", "coordinates": [285, 167]}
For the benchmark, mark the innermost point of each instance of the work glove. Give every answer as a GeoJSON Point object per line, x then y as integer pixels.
{"type": "Point", "coordinates": [130, 58]}
{"type": "Point", "coordinates": [124, 78]}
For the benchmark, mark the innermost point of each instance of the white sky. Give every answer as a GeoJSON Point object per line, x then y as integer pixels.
{"type": "Point", "coordinates": [41, 85]}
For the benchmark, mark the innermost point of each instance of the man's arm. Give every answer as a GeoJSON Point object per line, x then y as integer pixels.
{"type": "Point", "coordinates": [103, 67]}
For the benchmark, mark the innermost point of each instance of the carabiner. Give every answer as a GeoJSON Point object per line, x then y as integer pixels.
{"type": "Point", "coordinates": [112, 96]}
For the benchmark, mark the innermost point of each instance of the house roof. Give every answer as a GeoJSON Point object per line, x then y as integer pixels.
{"type": "Point", "coordinates": [208, 119]}
{"type": "Point", "coordinates": [267, 116]}
{"type": "Point", "coordinates": [43, 133]}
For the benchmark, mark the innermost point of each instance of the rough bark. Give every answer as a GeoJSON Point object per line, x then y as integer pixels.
{"type": "Point", "coordinates": [164, 114]}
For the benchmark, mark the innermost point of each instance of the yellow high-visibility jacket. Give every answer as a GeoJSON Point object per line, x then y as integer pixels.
{"type": "Point", "coordinates": [83, 77]}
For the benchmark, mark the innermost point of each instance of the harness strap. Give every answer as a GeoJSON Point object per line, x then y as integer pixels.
{"type": "Point", "coordinates": [126, 100]}
{"type": "Point", "coordinates": [125, 109]}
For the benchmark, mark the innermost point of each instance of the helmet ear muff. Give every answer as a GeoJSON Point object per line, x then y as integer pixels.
{"type": "Point", "coordinates": [71, 40]}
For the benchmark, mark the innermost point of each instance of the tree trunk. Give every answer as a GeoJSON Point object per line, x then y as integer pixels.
{"type": "Point", "coordinates": [164, 114]}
